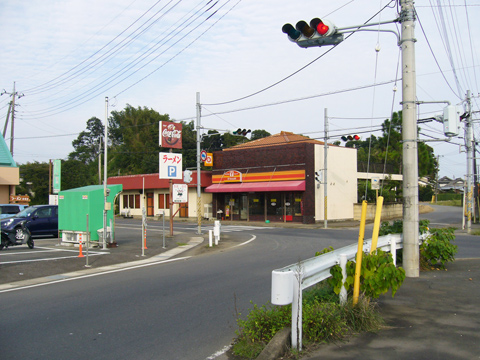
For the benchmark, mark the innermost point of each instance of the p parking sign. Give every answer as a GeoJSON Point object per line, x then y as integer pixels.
{"type": "Point", "coordinates": [170, 166]}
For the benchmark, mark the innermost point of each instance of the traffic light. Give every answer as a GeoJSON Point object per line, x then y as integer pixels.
{"type": "Point", "coordinates": [350, 137]}
{"type": "Point", "coordinates": [452, 115]}
{"type": "Point", "coordinates": [242, 132]}
{"type": "Point", "coordinates": [187, 176]}
{"type": "Point", "coordinates": [318, 33]}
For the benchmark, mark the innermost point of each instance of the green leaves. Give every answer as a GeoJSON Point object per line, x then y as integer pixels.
{"type": "Point", "coordinates": [378, 275]}
{"type": "Point", "coordinates": [438, 247]}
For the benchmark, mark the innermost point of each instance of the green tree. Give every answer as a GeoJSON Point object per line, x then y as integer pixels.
{"type": "Point", "coordinates": [34, 182]}
{"type": "Point", "coordinates": [259, 134]}
{"type": "Point", "coordinates": [133, 141]}
{"type": "Point", "coordinates": [86, 145]}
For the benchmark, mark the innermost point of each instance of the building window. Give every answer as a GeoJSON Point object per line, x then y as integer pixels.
{"type": "Point", "coordinates": [163, 201]}
{"type": "Point", "coordinates": [125, 201]}
{"type": "Point", "coordinates": [137, 201]}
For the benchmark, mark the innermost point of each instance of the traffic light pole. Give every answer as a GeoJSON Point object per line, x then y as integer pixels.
{"type": "Point", "coordinates": [409, 137]}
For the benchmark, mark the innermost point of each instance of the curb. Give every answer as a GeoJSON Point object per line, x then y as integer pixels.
{"type": "Point", "coordinates": [194, 241]}
{"type": "Point", "coordinates": [277, 346]}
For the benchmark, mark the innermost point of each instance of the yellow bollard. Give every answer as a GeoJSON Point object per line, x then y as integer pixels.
{"type": "Point", "coordinates": [358, 266]}
{"type": "Point", "coordinates": [376, 224]}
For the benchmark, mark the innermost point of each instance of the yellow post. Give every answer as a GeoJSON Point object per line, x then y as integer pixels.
{"type": "Point", "coordinates": [358, 266]}
{"type": "Point", "coordinates": [376, 224]}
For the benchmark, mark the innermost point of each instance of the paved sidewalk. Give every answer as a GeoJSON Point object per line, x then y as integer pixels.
{"type": "Point", "coordinates": [435, 316]}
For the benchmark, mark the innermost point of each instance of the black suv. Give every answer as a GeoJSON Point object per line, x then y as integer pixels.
{"type": "Point", "coordinates": [39, 219]}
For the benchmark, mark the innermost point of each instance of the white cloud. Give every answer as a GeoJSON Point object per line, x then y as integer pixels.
{"type": "Point", "coordinates": [242, 54]}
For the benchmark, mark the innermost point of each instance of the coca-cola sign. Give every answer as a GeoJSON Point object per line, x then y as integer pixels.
{"type": "Point", "coordinates": [170, 135]}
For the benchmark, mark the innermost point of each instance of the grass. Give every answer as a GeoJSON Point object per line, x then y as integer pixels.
{"type": "Point", "coordinates": [449, 203]}
{"type": "Point", "coordinates": [324, 320]}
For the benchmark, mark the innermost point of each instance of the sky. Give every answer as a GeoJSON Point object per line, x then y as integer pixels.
{"type": "Point", "coordinates": [66, 56]}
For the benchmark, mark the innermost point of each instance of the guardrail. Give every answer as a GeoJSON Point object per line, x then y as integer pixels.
{"type": "Point", "coordinates": [289, 282]}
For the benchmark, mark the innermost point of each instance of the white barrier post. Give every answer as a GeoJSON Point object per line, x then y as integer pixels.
{"type": "Point", "coordinates": [210, 232]}
{"type": "Point", "coordinates": [297, 311]}
{"type": "Point", "coordinates": [216, 232]}
{"type": "Point", "coordinates": [393, 250]}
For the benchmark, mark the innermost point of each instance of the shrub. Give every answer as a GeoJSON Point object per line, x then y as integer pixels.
{"type": "Point", "coordinates": [378, 275]}
{"type": "Point", "coordinates": [438, 248]}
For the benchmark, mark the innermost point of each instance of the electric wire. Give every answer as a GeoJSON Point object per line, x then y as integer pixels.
{"type": "Point", "coordinates": [107, 82]}
{"type": "Point", "coordinates": [295, 72]}
{"type": "Point", "coordinates": [435, 58]}
{"type": "Point", "coordinates": [95, 53]}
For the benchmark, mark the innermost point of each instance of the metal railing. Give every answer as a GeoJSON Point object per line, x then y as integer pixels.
{"type": "Point", "coordinates": [289, 282]}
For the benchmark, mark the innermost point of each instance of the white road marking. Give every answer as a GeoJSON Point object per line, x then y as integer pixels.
{"type": "Point", "coordinates": [68, 277]}
{"type": "Point", "coordinates": [246, 242]}
{"type": "Point", "coordinates": [219, 353]}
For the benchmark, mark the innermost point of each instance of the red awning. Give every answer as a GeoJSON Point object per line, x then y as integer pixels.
{"type": "Point", "coordinates": [257, 187]}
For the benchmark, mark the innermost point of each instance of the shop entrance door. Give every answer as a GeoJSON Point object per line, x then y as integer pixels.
{"type": "Point", "coordinates": [150, 207]}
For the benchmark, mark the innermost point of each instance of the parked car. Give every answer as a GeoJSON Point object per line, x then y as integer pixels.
{"type": "Point", "coordinates": [8, 210]}
{"type": "Point", "coordinates": [39, 219]}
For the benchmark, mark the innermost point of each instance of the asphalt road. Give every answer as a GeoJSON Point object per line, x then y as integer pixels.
{"type": "Point", "coordinates": [183, 309]}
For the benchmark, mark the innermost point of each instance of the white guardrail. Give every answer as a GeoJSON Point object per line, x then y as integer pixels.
{"type": "Point", "coordinates": [289, 282]}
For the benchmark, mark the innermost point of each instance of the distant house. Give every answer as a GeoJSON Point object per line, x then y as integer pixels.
{"type": "Point", "coordinates": [9, 173]}
{"type": "Point", "coordinates": [455, 184]}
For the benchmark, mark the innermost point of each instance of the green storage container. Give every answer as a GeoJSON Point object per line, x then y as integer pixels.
{"type": "Point", "coordinates": [75, 204]}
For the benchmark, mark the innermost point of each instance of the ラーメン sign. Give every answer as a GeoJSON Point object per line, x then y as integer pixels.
{"type": "Point", "coordinates": [170, 134]}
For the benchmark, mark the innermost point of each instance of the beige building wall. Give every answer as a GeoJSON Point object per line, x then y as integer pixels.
{"type": "Point", "coordinates": [341, 183]}
{"type": "Point", "coordinates": [192, 202]}
{"type": "Point", "coordinates": [9, 178]}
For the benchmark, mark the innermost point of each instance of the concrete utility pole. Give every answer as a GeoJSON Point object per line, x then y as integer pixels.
{"type": "Point", "coordinates": [199, 185]}
{"type": "Point", "coordinates": [105, 192]}
{"type": "Point", "coordinates": [469, 146]}
{"type": "Point", "coordinates": [409, 134]}
{"type": "Point", "coordinates": [325, 183]}
{"type": "Point", "coordinates": [11, 110]}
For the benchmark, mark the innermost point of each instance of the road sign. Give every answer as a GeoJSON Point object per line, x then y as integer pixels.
{"type": "Point", "coordinates": [170, 166]}
{"type": "Point", "coordinates": [203, 155]}
{"type": "Point", "coordinates": [209, 160]}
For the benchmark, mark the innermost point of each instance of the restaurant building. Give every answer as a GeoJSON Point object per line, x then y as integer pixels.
{"type": "Point", "coordinates": [274, 179]}
{"type": "Point", "coordinates": [147, 190]}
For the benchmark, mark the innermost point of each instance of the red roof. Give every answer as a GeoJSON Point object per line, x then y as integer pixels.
{"type": "Point", "coordinates": [136, 182]}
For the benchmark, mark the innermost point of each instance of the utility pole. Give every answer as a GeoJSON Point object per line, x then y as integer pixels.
{"type": "Point", "coordinates": [469, 146]}
{"type": "Point", "coordinates": [105, 190]}
{"type": "Point", "coordinates": [199, 185]}
{"type": "Point", "coordinates": [325, 184]}
{"type": "Point", "coordinates": [11, 110]}
{"type": "Point", "coordinates": [99, 161]}
{"type": "Point", "coordinates": [409, 136]}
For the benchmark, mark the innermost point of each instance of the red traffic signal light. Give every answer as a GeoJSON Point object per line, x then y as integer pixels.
{"type": "Point", "coordinates": [242, 132]}
{"type": "Point", "coordinates": [318, 33]}
{"type": "Point", "coordinates": [350, 137]}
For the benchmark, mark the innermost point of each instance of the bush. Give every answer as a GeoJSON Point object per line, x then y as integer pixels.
{"type": "Point", "coordinates": [378, 275]}
{"type": "Point", "coordinates": [323, 320]}
{"type": "Point", "coordinates": [438, 248]}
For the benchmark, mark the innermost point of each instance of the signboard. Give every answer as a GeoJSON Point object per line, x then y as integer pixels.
{"type": "Point", "coordinates": [21, 199]}
{"type": "Point", "coordinates": [170, 135]}
{"type": "Point", "coordinates": [375, 183]}
{"type": "Point", "coordinates": [170, 166]}
{"type": "Point", "coordinates": [57, 175]}
{"type": "Point", "coordinates": [180, 193]}
{"type": "Point", "coordinates": [209, 160]}
{"type": "Point", "coordinates": [232, 175]}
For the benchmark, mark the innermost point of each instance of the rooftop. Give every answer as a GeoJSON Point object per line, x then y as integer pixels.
{"type": "Point", "coordinates": [282, 138]}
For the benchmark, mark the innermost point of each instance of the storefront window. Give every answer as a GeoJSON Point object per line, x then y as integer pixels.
{"type": "Point", "coordinates": [297, 205]}
{"type": "Point", "coordinates": [257, 204]}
